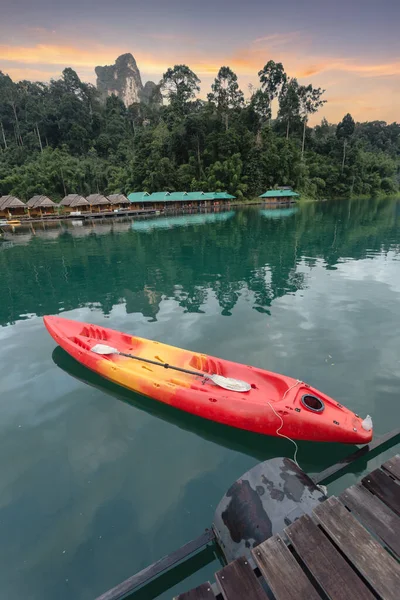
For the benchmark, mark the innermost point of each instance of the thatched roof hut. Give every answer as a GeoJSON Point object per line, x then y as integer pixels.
{"type": "Point", "coordinates": [40, 202]}
{"type": "Point", "coordinates": [10, 202]}
{"type": "Point", "coordinates": [98, 200]}
{"type": "Point", "coordinates": [118, 199]}
{"type": "Point", "coordinates": [74, 200]}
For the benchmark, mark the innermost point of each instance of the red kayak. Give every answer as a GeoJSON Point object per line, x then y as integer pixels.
{"type": "Point", "coordinates": [268, 403]}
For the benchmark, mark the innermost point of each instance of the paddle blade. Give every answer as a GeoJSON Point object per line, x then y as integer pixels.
{"type": "Point", "coordinates": [228, 383]}
{"type": "Point", "coordinates": [103, 349]}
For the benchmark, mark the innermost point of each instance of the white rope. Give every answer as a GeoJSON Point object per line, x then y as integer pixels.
{"type": "Point", "coordinates": [322, 488]}
{"type": "Point", "coordinates": [291, 387]}
{"type": "Point", "coordinates": [298, 381]}
{"type": "Point", "coordinates": [285, 436]}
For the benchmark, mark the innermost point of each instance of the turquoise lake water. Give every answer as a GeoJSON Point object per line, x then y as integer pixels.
{"type": "Point", "coordinates": [97, 482]}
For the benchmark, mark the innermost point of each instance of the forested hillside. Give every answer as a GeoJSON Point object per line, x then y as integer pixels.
{"type": "Point", "coordinates": [58, 138]}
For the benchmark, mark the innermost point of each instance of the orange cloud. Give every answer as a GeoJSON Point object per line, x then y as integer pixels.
{"type": "Point", "coordinates": [341, 77]}
{"type": "Point", "coordinates": [309, 71]}
{"type": "Point", "coordinates": [75, 56]}
{"type": "Point", "coordinates": [95, 54]}
{"type": "Point", "coordinates": [299, 63]}
{"type": "Point", "coordinates": [247, 61]}
{"type": "Point", "coordinates": [379, 70]}
{"type": "Point", "coordinates": [52, 54]}
{"type": "Point", "coordinates": [364, 70]}
{"type": "Point", "coordinates": [20, 73]}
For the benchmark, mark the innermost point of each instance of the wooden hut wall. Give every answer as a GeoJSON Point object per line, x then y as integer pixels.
{"type": "Point", "coordinates": [119, 201]}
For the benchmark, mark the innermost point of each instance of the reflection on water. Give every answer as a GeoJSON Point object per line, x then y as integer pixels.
{"type": "Point", "coordinates": [97, 482]}
{"type": "Point", "coordinates": [181, 221]}
{"type": "Point", "coordinates": [279, 213]}
{"type": "Point", "coordinates": [225, 254]}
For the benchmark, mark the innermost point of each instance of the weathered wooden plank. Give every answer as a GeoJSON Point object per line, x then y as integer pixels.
{"type": "Point", "coordinates": [238, 582]}
{"type": "Point", "coordinates": [378, 567]}
{"type": "Point", "coordinates": [330, 569]}
{"type": "Point", "coordinates": [385, 488]}
{"type": "Point", "coordinates": [374, 514]}
{"type": "Point", "coordinates": [202, 592]}
{"type": "Point", "coordinates": [125, 587]}
{"type": "Point", "coordinates": [392, 466]}
{"type": "Point", "coordinates": [282, 572]}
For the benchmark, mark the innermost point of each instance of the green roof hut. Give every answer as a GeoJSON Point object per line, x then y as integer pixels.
{"type": "Point", "coordinates": [282, 195]}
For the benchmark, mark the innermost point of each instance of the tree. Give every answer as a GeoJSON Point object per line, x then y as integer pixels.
{"type": "Point", "coordinates": [57, 138]}
{"type": "Point", "coordinates": [261, 105]}
{"type": "Point", "coordinates": [272, 78]}
{"type": "Point", "coordinates": [310, 102]}
{"type": "Point", "coordinates": [71, 81]}
{"type": "Point", "coordinates": [180, 85]}
{"type": "Point", "coordinates": [9, 97]}
{"type": "Point", "coordinates": [226, 93]}
{"type": "Point", "coordinates": [344, 131]}
{"type": "Point", "coordinates": [227, 175]}
{"type": "Point", "coordinates": [289, 103]}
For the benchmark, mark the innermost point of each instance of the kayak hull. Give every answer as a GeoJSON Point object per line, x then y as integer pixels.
{"type": "Point", "coordinates": [275, 404]}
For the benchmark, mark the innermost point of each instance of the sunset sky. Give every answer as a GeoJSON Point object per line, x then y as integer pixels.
{"type": "Point", "coordinates": [349, 47]}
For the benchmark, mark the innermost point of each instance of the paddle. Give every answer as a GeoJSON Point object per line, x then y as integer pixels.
{"type": "Point", "coordinates": [234, 385]}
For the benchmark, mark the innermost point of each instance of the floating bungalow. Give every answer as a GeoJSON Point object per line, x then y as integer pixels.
{"type": "Point", "coordinates": [222, 197]}
{"type": "Point", "coordinates": [98, 203]}
{"type": "Point", "coordinates": [41, 206]}
{"type": "Point", "coordinates": [118, 201]}
{"type": "Point", "coordinates": [282, 195]}
{"type": "Point", "coordinates": [139, 200]}
{"type": "Point", "coordinates": [169, 200]}
{"type": "Point", "coordinates": [75, 203]}
{"type": "Point", "coordinates": [179, 200]}
{"type": "Point", "coordinates": [11, 207]}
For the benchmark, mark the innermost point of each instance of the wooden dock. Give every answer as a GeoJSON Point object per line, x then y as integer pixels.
{"type": "Point", "coordinates": [348, 548]}
{"type": "Point", "coordinates": [85, 216]}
